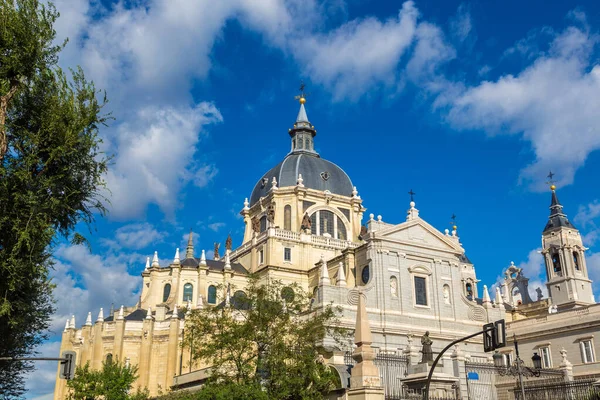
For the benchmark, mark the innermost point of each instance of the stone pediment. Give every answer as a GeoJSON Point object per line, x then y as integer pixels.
{"type": "Point", "coordinates": [420, 233]}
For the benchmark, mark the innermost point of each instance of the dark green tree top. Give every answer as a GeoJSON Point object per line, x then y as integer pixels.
{"type": "Point", "coordinates": [51, 174]}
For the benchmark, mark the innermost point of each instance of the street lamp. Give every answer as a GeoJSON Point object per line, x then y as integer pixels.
{"type": "Point", "coordinates": [518, 368]}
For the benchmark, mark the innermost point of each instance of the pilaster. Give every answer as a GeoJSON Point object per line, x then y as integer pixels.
{"type": "Point", "coordinates": [172, 350]}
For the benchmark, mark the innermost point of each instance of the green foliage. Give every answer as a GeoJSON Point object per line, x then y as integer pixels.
{"type": "Point", "coordinates": [265, 341]}
{"type": "Point", "coordinates": [51, 172]}
{"type": "Point", "coordinates": [112, 382]}
{"type": "Point", "coordinates": [221, 391]}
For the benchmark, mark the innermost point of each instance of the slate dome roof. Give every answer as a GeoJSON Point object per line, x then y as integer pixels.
{"type": "Point", "coordinates": [317, 173]}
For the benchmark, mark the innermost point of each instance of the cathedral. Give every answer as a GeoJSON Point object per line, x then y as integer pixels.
{"type": "Point", "coordinates": [305, 223]}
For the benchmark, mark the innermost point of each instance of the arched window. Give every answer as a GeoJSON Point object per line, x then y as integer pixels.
{"type": "Point", "coordinates": [576, 261]}
{"type": "Point", "coordinates": [263, 223]}
{"type": "Point", "coordinates": [469, 291]}
{"type": "Point", "coordinates": [556, 264]}
{"type": "Point", "coordinates": [300, 142]}
{"type": "Point", "coordinates": [287, 218]}
{"type": "Point", "coordinates": [109, 358]}
{"type": "Point", "coordinates": [326, 222]}
{"type": "Point", "coordinates": [341, 230]}
{"type": "Point", "coordinates": [166, 292]}
{"type": "Point", "coordinates": [212, 294]}
{"type": "Point", "coordinates": [188, 292]}
{"type": "Point", "coordinates": [313, 223]}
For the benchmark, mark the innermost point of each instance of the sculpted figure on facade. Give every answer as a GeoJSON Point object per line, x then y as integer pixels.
{"type": "Point", "coordinates": [228, 242]}
{"type": "Point", "coordinates": [255, 224]}
{"type": "Point", "coordinates": [426, 350]}
{"type": "Point", "coordinates": [363, 232]}
{"type": "Point", "coordinates": [271, 214]}
{"type": "Point", "coordinates": [306, 223]}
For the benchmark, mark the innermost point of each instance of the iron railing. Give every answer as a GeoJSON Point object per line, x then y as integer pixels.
{"type": "Point", "coordinates": [575, 390]}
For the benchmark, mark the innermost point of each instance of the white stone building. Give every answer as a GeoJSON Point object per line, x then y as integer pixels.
{"type": "Point", "coordinates": [304, 224]}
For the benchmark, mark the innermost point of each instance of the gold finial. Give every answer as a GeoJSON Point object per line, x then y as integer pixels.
{"type": "Point", "coordinates": [302, 96]}
{"type": "Point", "coordinates": [454, 227]}
{"type": "Point", "coordinates": [453, 218]}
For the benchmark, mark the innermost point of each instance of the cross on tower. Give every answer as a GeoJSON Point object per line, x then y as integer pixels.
{"type": "Point", "coordinates": [550, 178]}
{"type": "Point", "coordinates": [412, 194]}
{"type": "Point", "coordinates": [302, 96]}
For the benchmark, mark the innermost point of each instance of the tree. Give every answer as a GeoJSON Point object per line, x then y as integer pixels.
{"type": "Point", "coordinates": [112, 382]}
{"type": "Point", "coordinates": [267, 336]}
{"type": "Point", "coordinates": [51, 173]}
{"type": "Point", "coordinates": [227, 390]}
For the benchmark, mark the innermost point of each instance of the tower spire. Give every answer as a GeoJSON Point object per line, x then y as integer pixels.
{"type": "Point", "coordinates": [303, 132]}
{"type": "Point", "coordinates": [189, 251]}
{"type": "Point", "coordinates": [557, 217]}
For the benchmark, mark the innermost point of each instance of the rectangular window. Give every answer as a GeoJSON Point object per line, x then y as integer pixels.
{"type": "Point", "coordinates": [287, 254]}
{"type": "Point", "coordinates": [420, 291]}
{"type": "Point", "coordinates": [507, 359]}
{"type": "Point", "coordinates": [546, 359]}
{"type": "Point", "coordinates": [587, 351]}
{"type": "Point", "coordinates": [261, 257]}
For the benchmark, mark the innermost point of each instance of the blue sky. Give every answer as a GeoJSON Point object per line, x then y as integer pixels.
{"type": "Point", "coordinates": [467, 103]}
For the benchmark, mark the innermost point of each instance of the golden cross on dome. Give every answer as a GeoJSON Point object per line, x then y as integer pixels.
{"type": "Point", "coordinates": [302, 96]}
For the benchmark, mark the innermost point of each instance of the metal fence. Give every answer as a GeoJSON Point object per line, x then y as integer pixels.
{"type": "Point", "coordinates": [485, 381]}
{"type": "Point", "coordinates": [392, 368]}
{"type": "Point", "coordinates": [575, 390]}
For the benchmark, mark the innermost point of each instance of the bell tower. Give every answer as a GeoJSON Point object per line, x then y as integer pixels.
{"type": "Point", "coordinates": [566, 270]}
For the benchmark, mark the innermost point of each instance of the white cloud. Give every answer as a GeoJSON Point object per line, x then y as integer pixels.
{"type": "Point", "coordinates": [155, 158]}
{"type": "Point", "coordinates": [586, 214]}
{"type": "Point", "coordinates": [85, 282]}
{"type": "Point", "coordinates": [550, 103]}
{"type": "Point", "coordinates": [429, 53]}
{"type": "Point", "coordinates": [137, 236]}
{"type": "Point", "coordinates": [461, 24]}
{"type": "Point", "coordinates": [359, 55]}
{"type": "Point", "coordinates": [216, 226]}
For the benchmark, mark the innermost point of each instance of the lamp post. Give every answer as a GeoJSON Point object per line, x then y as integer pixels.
{"type": "Point", "coordinates": [518, 368]}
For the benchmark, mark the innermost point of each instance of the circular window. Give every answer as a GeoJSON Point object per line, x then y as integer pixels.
{"type": "Point", "coordinates": [240, 301]}
{"type": "Point", "coordinates": [287, 294]}
{"type": "Point", "coordinates": [366, 274]}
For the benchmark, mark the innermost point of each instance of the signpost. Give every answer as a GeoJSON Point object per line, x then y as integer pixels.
{"type": "Point", "coordinates": [494, 337]}
{"type": "Point", "coordinates": [67, 362]}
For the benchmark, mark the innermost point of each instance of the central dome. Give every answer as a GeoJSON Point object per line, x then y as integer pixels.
{"type": "Point", "coordinates": [317, 173]}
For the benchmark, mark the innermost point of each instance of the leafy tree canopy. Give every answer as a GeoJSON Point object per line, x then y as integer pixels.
{"type": "Point", "coordinates": [267, 337]}
{"type": "Point", "coordinates": [113, 382]}
{"type": "Point", "coordinates": [51, 174]}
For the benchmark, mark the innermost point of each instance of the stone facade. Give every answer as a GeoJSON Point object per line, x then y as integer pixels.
{"type": "Point", "coordinates": [309, 230]}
